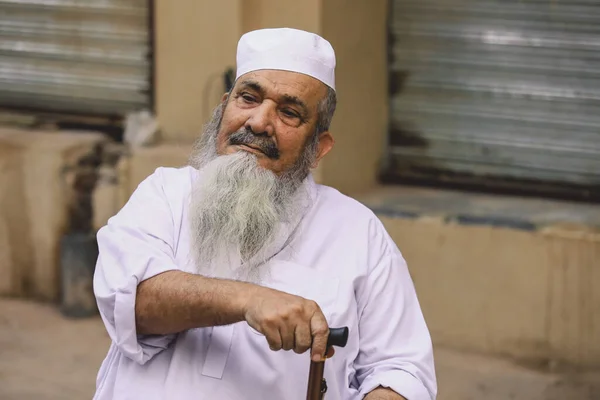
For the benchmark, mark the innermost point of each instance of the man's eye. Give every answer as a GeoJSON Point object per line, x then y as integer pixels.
{"type": "Point", "coordinates": [290, 113]}
{"type": "Point", "coordinates": [248, 98]}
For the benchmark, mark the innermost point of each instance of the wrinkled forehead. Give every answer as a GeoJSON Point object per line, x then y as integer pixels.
{"type": "Point", "coordinates": [283, 84]}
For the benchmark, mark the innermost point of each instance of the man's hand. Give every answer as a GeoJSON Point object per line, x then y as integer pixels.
{"type": "Point", "coordinates": [288, 322]}
{"type": "Point", "coordinates": [382, 393]}
{"type": "Point", "coordinates": [175, 301]}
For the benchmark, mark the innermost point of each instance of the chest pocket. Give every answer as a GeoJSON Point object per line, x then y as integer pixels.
{"type": "Point", "coordinates": [305, 282]}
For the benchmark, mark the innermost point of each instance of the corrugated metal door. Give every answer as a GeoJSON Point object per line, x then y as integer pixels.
{"type": "Point", "coordinates": [505, 88]}
{"type": "Point", "coordinates": [77, 56]}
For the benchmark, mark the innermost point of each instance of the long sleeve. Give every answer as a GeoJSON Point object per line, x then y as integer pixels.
{"type": "Point", "coordinates": [135, 245]}
{"type": "Point", "coordinates": [395, 345]}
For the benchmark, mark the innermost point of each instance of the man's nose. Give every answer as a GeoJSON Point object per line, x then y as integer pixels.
{"type": "Point", "coordinates": [261, 120]}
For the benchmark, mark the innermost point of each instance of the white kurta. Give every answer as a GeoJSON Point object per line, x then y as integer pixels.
{"type": "Point", "coordinates": [342, 258]}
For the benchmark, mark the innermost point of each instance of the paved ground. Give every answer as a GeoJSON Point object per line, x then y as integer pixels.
{"type": "Point", "coordinates": [46, 357]}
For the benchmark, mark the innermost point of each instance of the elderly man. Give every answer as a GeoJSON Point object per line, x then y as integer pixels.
{"type": "Point", "coordinates": [211, 273]}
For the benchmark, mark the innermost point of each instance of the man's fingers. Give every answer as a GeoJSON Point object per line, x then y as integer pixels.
{"type": "Point", "coordinates": [273, 338]}
{"type": "Point", "coordinates": [289, 322]}
{"type": "Point", "coordinates": [330, 352]}
{"type": "Point", "coordinates": [287, 337]}
{"type": "Point", "coordinates": [320, 334]}
{"type": "Point", "coordinates": [303, 338]}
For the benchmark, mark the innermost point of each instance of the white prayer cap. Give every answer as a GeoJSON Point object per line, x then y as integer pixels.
{"type": "Point", "coordinates": [289, 50]}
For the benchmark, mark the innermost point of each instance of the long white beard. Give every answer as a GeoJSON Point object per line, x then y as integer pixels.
{"type": "Point", "coordinates": [241, 214]}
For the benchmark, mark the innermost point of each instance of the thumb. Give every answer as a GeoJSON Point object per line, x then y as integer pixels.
{"type": "Point", "coordinates": [320, 334]}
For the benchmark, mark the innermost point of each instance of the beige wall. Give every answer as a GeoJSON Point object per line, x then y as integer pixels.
{"type": "Point", "coordinates": [195, 43]}
{"type": "Point", "coordinates": [15, 238]}
{"type": "Point", "coordinates": [35, 188]}
{"type": "Point", "coordinates": [196, 40]}
{"type": "Point", "coordinates": [259, 14]}
{"type": "Point", "coordinates": [357, 31]}
{"type": "Point", "coordinates": [528, 295]}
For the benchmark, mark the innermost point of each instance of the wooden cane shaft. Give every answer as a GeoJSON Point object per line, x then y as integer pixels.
{"type": "Point", "coordinates": [315, 377]}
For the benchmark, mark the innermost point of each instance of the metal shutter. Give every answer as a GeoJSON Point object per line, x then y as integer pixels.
{"type": "Point", "coordinates": [497, 88]}
{"type": "Point", "coordinates": [89, 57]}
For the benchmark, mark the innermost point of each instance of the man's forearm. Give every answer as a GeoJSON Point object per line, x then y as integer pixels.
{"type": "Point", "coordinates": [175, 301]}
{"type": "Point", "coordinates": [383, 394]}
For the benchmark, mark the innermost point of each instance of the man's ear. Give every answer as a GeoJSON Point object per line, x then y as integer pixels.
{"type": "Point", "coordinates": [224, 98]}
{"type": "Point", "coordinates": [325, 145]}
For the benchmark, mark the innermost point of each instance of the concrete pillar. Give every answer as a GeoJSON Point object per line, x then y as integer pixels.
{"type": "Point", "coordinates": [195, 43]}
{"type": "Point", "coordinates": [357, 31]}
{"type": "Point", "coordinates": [260, 14]}
{"type": "Point", "coordinates": [15, 252]}
{"type": "Point", "coordinates": [573, 296]}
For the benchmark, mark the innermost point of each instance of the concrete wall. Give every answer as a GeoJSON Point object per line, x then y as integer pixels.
{"type": "Point", "coordinates": [195, 43]}
{"type": "Point", "coordinates": [15, 239]}
{"type": "Point", "coordinates": [259, 14]}
{"type": "Point", "coordinates": [35, 199]}
{"type": "Point", "coordinates": [357, 31]}
{"type": "Point", "coordinates": [528, 295]}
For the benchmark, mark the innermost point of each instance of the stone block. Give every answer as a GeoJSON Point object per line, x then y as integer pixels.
{"type": "Point", "coordinates": [40, 213]}
{"type": "Point", "coordinates": [505, 276]}
{"type": "Point", "coordinates": [15, 241]}
{"type": "Point", "coordinates": [481, 288]}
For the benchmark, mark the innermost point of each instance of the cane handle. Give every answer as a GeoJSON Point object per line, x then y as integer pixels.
{"type": "Point", "coordinates": [337, 337]}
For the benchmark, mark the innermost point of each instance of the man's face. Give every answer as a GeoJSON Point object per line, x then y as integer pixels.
{"type": "Point", "coordinates": [273, 114]}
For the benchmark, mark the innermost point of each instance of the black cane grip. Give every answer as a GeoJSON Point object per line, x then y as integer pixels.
{"type": "Point", "coordinates": [338, 337]}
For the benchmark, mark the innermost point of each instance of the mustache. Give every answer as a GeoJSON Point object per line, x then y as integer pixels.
{"type": "Point", "coordinates": [264, 144]}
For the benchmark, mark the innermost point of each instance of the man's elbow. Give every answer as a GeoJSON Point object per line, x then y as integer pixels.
{"type": "Point", "coordinates": [145, 324]}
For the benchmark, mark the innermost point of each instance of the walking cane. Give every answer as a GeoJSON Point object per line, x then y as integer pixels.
{"type": "Point", "coordinates": [317, 386]}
